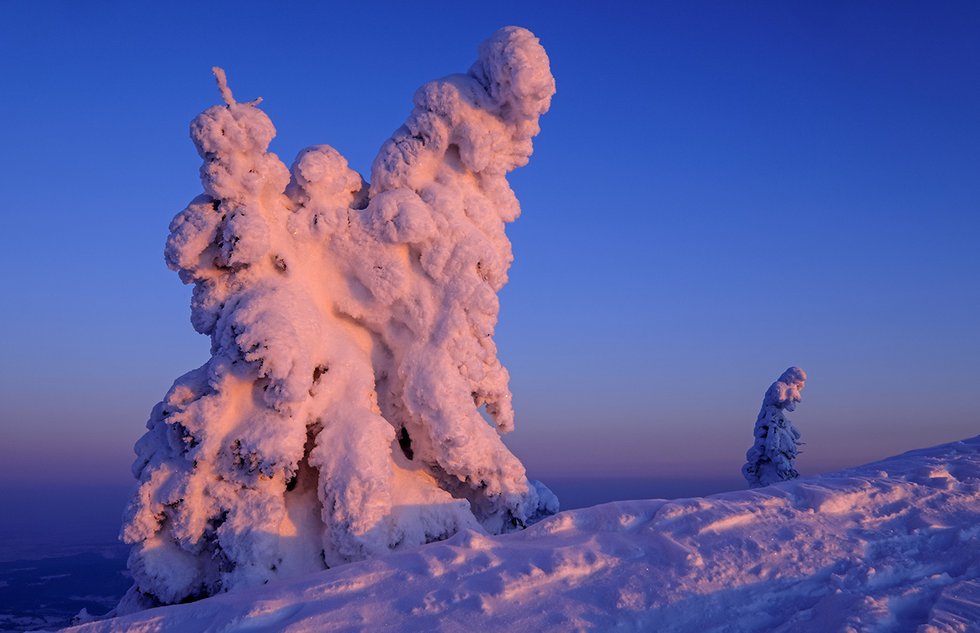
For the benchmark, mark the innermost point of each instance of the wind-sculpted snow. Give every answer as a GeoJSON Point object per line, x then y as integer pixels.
{"type": "Point", "coordinates": [770, 459]}
{"type": "Point", "coordinates": [352, 343]}
{"type": "Point", "coordinates": [891, 546]}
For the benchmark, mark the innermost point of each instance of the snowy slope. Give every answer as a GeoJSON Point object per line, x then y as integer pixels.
{"type": "Point", "coordinates": [891, 546]}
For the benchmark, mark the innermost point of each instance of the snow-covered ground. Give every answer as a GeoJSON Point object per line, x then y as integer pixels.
{"type": "Point", "coordinates": [890, 546]}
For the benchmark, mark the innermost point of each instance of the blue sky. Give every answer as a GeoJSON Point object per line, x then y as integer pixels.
{"type": "Point", "coordinates": [720, 190]}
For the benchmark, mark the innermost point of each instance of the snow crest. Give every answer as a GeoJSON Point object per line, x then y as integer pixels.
{"type": "Point", "coordinates": [891, 546]}
{"type": "Point", "coordinates": [341, 414]}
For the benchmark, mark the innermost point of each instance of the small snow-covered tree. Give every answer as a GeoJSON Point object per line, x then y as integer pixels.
{"type": "Point", "coordinates": [351, 325]}
{"type": "Point", "coordinates": [777, 442]}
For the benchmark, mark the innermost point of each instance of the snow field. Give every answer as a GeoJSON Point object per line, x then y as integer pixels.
{"type": "Point", "coordinates": [891, 546]}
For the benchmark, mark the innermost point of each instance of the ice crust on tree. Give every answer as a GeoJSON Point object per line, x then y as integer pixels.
{"type": "Point", "coordinates": [351, 325]}
{"type": "Point", "coordinates": [777, 442]}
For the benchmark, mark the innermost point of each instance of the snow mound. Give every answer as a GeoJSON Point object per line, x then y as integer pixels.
{"type": "Point", "coordinates": [341, 414]}
{"type": "Point", "coordinates": [891, 546]}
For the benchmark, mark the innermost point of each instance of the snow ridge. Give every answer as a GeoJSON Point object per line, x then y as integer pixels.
{"type": "Point", "coordinates": [891, 546]}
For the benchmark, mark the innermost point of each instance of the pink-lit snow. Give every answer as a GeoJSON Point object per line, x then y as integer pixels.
{"type": "Point", "coordinates": [340, 415]}
{"type": "Point", "coordinates": [341, 418]}
{"type": "Point", "coordinates": [890, 546]}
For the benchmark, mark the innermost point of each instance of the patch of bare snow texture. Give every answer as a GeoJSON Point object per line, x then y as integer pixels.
{"type": "Point", "coordinates": [341, 415]}
{"type": "Point", "coordinates": [891, 546]}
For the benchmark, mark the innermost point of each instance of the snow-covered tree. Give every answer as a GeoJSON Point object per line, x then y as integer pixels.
{"type": "Point", "coordinates": [351, 325]}
{"type": "Point", "coordinates": [777, 442]}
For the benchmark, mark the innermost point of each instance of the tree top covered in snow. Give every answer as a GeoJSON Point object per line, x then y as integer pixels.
{"type": "Point", "coordinates": [341, 414]}
{"type": "Point", "coordinates": [777, 442]}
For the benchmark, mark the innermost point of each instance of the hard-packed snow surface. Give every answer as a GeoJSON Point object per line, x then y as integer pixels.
{"type": "Point", "coordinates": [891, 546]}
{"type": "Point", "coordinates": [777, 442]}
{"type": "Point", "coordinates": [341, 414]}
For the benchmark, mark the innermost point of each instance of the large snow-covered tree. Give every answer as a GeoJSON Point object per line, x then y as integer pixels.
{"type": "Point", "coordinates": [777, 442]}
{"type": "Point", "coordinates": [344, 410]}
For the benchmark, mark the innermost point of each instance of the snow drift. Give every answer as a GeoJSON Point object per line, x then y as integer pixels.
{"type": "Point", "coordinates": [891, 546]}
{"type": "Point", "coordinates": [341, 414]}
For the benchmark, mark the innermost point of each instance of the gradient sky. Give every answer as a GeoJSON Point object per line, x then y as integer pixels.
{"type": "Point", "coordinates": [720, 190]}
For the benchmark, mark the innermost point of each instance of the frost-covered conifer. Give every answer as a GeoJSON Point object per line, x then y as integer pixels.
{"type": "Point", "coordinates": [777, 442]}
{"type": "Point", "coordinates": [351, 328]}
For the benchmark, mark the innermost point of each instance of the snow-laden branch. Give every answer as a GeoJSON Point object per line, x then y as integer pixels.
{"type": "Point", "coordinates": [222, 79]}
